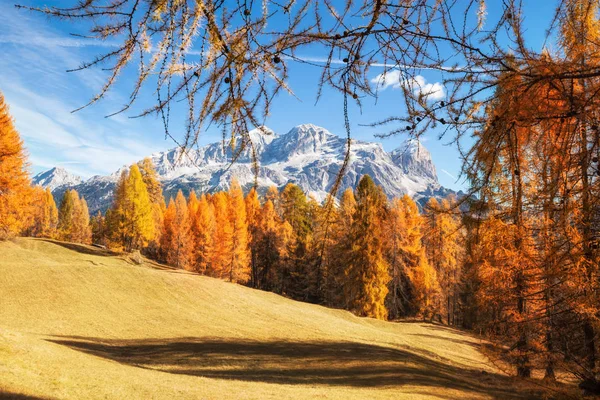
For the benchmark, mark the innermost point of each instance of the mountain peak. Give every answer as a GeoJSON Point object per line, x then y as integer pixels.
{"type": "Point", "coordinates": [55, 178]}
{"type": "Point", "coordinates": [414, 159]}
{"type": "Point", "coordinates": [308, 155]}
{"type": "Point", "coordinates": [262, 134]}
{"type": "Point", "coordinates": [309, 130]}
{"type": "Point", "coordinates": [303, 140]}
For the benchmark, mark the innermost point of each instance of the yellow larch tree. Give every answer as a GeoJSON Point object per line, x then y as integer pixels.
{"type": "Point", "coordinates": [82, 231]}
{"type": "Point", "coordinates": [151, 180]}
{"type": "Point", "coordinates": [413, 286]}
{"type": "Point", "coordinates": [157, 199]}
{"type": "Point", "coordinates": [136, 210]}
{"type": "Point", "coordinates": [131, 222]}
{"type": "Point", "coordinates": [367, 274]}
{"type": "Point", "coordinates": [65, 215]}
{"type": "Point", "coordinates": [43, 218]}
{"type": "Point", "coordinates": [99, 231]}
{"type": "Point", "coordinates": [114, 218]}
{"type": "Point", "coordinates": [74, 219]}
{"type": "Point", "coordinates": [395, 238]}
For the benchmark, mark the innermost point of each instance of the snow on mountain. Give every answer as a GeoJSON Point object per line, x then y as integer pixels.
{"type": "Point", "coordinates": [55, 178]}
{"type": "Point", "coordinates": [414, 159]}
{"type": "Point", "coordinates": [308, 155]}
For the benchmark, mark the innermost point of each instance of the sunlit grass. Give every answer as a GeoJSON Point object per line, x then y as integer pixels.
{"type": "Point", "coordinates": [76, 322]}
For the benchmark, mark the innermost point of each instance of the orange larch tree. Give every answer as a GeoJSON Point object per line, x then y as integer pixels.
{"type": "Point", "coordinates": [14, 178]}
{"type": "Point", "coordinates": [202, 231]}
{"type": "Point", "coordinates": [223, 237]}
{"type": "Point", "coordinates": [177, 231]}
{"type": "Point", "coordinates": [239, 268]}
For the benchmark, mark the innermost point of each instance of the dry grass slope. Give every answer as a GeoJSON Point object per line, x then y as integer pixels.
{"type": "Point", "coordinates": [77, 322]}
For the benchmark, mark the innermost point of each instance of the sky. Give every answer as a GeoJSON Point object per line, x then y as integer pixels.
{"type": "Point", "coordinates": [37, 51]}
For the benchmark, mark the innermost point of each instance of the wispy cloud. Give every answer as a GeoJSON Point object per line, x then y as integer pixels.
{"type": "Point", "coordinates": [395, 79]}
{"type": "Point", "coordinates": [42, 95]}
{"type": "Point", "coordinates": [448, 173]}
{"type": "Point", "coordinates": [52, 41]}
{"type": "Point", "coordinates": [88, 149]}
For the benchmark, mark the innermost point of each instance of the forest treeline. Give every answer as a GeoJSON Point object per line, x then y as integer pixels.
{"type": "Point", "coordinates": [366, 254]}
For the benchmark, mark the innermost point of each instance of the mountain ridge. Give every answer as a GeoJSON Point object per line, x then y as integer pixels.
{"type": "Point", "coordinates": [307, 155]}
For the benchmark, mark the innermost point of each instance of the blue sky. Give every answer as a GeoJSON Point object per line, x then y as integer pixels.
{"type": "Point", "coordinates": [37, 51]}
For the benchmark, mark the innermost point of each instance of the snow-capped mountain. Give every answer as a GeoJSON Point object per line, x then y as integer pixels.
{"type": "Point", "coordinates": [308, 155]}
{"type": "Point", "coordinates": [55, 178]}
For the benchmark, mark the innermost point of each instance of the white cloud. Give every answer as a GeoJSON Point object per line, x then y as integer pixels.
{"type": "Point", "coordinates": [417, 84]}
{"type": "Point", "coordinates": [54, 136]}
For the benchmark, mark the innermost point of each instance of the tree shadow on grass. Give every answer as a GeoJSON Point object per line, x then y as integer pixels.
{"type": "Point", "coordinates": [297, 363]}
{"type": "Point", "coordinates": [463, 342]}
{"type": "Point", "coordinates": [17, 396]}
{"type": "Point", "coordinates": [81, 248]}
{"type": "Point", "coordinates": [97, 251]}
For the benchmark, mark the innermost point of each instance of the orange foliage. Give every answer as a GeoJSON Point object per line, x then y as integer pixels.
{"type": "Point", "coordinates": [14, 180]}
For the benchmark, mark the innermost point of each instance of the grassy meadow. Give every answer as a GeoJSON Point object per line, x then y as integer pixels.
{"type": "Point", "coordinates": [77, 322]}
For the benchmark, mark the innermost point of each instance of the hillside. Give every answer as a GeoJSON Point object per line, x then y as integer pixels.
{"type": "Point", "coordinates": [76, 322]}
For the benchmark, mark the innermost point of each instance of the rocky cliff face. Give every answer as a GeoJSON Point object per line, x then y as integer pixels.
{"type": "Point", "coordinates": [308, 155]}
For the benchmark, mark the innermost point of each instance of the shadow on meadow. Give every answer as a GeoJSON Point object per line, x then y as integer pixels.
{"type": "Point", "coordinates": [294, 363]}
{"type": "Point", "coordinates": [82, 248]}
{"type": "Point", "coordinates": [17, 396]}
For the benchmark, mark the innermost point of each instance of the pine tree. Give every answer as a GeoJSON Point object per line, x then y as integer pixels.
{"type": "Point", "coordinates": [367, 271]}
{"type": "Point", "coordinates": [14, 179]}
{"type": "Point", "coordinates": [239, 262]}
